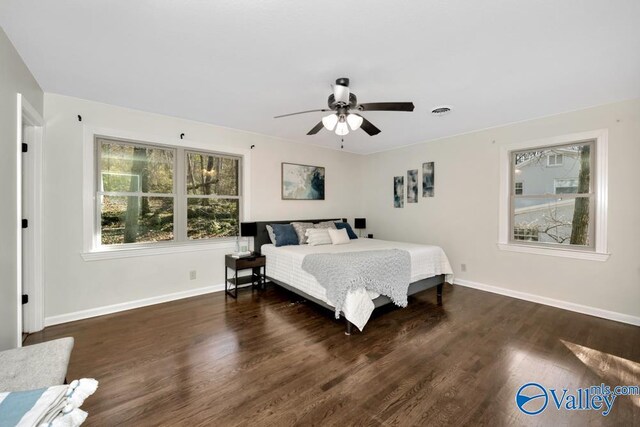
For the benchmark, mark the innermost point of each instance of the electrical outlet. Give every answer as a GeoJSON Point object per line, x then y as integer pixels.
{"type": "Point", "coordinates": [192, 275]}
{"type": "Point", "coordinates": [463, 267]}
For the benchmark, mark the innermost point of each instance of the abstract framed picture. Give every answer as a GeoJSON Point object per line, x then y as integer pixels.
{"type": "Point", "coordinates": [398, 191]}
{"type": "Point", "coordinates": [302, 182]}
{"type": "Point", "coordinates": [412, 186]}
{"type": "Point", "coordinates": [428, 179]}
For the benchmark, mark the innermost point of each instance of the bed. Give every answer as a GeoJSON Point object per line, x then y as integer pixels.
{"type": "Point", "coordinates": [429, 268]}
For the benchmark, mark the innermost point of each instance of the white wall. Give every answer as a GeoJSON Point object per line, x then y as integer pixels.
{"type": "Point", "coordinates": [463, 215]}
{"type": "Point", "coordinates": [462, 218]}
{"type": "Point", "coordinates": [72, 284]}
{"type": "Point", "coordinates": [14, 78]}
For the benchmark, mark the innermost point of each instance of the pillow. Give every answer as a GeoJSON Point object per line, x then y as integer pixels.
{"type": "Point", "coordinates": [338, 237]}
{"type": "Point", "coordinates": [325, 224]}
{"type": "Point", "coordinates": [285, 234]}
{"type": "Point", "coordinates": [301, 228]}
{"type": "Point", "coordinates": [318, 236]}
{"type": "Point", "coordinates": [57, 405]}
{"type": "Point", "coordinates": [272, 236]}
{"type": "Point", "coordinates": [346, 226]}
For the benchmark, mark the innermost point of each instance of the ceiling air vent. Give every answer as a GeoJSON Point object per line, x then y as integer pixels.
{"type": "Point", "coordinates": [442, 110]}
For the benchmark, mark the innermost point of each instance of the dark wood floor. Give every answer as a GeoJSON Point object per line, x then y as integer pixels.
{"type": "Point", "coordinates": [271, 359]}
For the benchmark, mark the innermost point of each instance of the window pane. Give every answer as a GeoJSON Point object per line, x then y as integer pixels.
{"type": "Point", "coordinates": [128, 168]}
{"type": "Point", "coordinates": [563, 222]}
{"type": "Point", "coordinates": [208, 218]}
{"type": "Point", "coordinates": [208, 174]}
{"type": "Point", "coordinates": [566, 186]}
{"type": "Point", "coordinates": [133, 219]}
{"type": "Point", "coordinates": [518, 189]}
{"type": "Point", "coordinates": [539, 171]}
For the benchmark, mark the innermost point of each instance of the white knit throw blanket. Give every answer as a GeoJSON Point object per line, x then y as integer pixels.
{"type": "Point", "coordinates": [387, 272]}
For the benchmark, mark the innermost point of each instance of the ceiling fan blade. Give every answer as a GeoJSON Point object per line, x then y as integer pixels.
{"type": "Point", "coordinates": [316, 128]}
{"type": "Point", "coordinates": [369, 127]}
{"type": "Point", "coordinates": [387, 106]}
{"type": "Point", "coordinates": [301, 112]}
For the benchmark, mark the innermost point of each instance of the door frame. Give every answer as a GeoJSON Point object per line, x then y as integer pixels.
{"type": "Point", "coordinates": [34, 284]}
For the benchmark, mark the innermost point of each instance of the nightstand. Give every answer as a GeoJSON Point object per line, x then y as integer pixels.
{"type": "Point", "coordinates": [257, 278]}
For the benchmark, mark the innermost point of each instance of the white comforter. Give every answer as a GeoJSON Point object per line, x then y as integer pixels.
{"type": "Point", "coordinates": [285, 264]}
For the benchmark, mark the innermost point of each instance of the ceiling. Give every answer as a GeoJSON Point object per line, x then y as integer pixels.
{"type": "Point", "coordinates": [238, 63]}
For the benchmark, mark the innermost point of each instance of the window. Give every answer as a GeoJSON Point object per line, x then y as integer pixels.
{"type": "Point", "coordinates": [525, 233]}
{"type": "Point", "coordinates": [562, 210]}
{"type": "Point", "coordinates": [565, 185]}
{"type": "Point", "coordinates": [555, 159]}
{"type": "Point", "coordinates": [565, 220]}
{"type": "Point", "coordinates": [519, 187]}
{"type": "Point", "coordinates": [148, 194]}
{"type": "Point", "coordinates": [213, 202]}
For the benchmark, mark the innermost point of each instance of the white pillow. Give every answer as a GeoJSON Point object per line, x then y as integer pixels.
{"type": "Point", "coordinates": [318, 236]}
{"type": "Point", "coordinates": [338, 237]}
{"type": "Point", "coordinates": [326, 224]}
{"type": "Point", "coordinates": [301, 228]}
{"type": "Point", "coordinates": [272, 236]}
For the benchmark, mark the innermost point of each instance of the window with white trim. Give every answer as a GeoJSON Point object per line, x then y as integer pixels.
{"type": "Point", "coordinates": [524, 233]}
{"type": "Point", "coordinates": [152, 194]}
{"type": "Point", "coordinates": [519, 187]}
{"type": "Point", "coordinates": [554, 159]}
{"type": "Point", "coordinates": [565, 185]}
{"type": "Point", "coordinates": [569, 225]}
{"type": "Point", "coordinates": [555, 210]}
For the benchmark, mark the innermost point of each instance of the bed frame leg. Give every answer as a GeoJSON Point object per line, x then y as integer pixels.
{"type": "Point", "coordinates": [347, 330]}
{"type": "Point", "coordinates": [439, 293]}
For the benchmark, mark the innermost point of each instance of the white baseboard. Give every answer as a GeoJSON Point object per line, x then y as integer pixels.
{"type": "Point", "coordinates": [579, 308]}
{"type": "Point", "coordinates": [115, 308]}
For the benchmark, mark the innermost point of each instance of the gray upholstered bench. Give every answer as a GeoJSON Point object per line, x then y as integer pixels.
{"type": "Point", "coordinates": [35, 366]}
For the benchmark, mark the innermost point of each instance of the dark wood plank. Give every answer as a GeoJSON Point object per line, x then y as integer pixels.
{"type": "Point", "coordinates": [270, 358]}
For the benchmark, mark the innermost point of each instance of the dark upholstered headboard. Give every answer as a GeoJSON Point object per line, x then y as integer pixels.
{"type": "Point", "coordinates": [262, 236]}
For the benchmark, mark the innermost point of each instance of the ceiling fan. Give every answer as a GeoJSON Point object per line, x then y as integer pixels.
{"type": "Point", "coordinates": [345, 111]}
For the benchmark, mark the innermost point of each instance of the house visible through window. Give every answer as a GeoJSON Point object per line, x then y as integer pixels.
{"type": "Point", "coordinates": [557, 207]}
{"type": "Point", "coordinates": [525, 233]}
{"type": "Point", "coordinates": [519, 187]}
{"type": "Point", "coordinates": [565, 185]}
{"type": "Point", "coordinates": [148, 194]}
{"type": "Point", "coordinates": [555, 159]}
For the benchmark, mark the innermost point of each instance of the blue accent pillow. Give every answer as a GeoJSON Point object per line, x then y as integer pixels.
{"type": "Point", "coordinates": [285, 234]}
{"type": "Point", "coordinates": [346, 226]}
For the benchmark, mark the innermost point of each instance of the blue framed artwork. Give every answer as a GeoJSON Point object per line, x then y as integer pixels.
{"type": "Point", "coordinates": [302, 182]}
{"type": "Point", "coordinates": [428, 179]}
{"type": "Point", "coordinates": [398, 191]}
{"type": "Point", "coordinates": [412, 186]}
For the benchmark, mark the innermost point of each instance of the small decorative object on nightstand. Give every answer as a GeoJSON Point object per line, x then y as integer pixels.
{"type": "Point", "coordinates": [360, 224]}
{"type": "Point", "coordinates": [257, 278]}
{"type": "Point", "coordinates": [247, 229]}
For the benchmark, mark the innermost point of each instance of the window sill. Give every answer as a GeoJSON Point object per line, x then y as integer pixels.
{"type": "Point", "coordinates": [558, 252]}
{"type": "Point", "coordinates": [162, 249]}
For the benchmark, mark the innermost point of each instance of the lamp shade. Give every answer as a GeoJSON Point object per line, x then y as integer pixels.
{"type": "Point", "coordinates": [354, 121]}
{"type": "Point", "coordinates": [330, 121]}
{"type": "Point", "coordinates": [360, 223]}
{"type": "Point", "coordinates": [342, 129]}
{"type": "Point", "coordinates": [248, 229]}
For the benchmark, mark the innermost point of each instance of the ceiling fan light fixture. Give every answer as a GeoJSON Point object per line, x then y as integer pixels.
{"type": "Point", "coordinates": [341, 102]}
{"type": "Point", "coordinates": [355, 121]}
{"type": "Point", "coordinates": [330, 121]}
{"type": "Point", "coordinates": [342, 129]}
